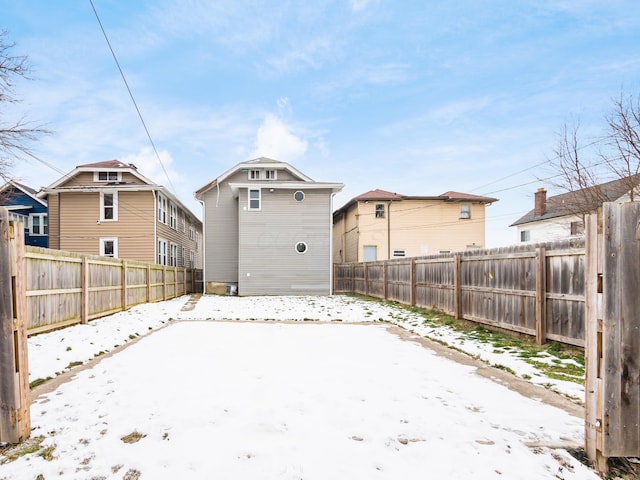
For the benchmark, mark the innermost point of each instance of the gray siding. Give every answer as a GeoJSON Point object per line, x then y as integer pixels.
{"type": "Point", "coordinates": [269, 263]}
{"type": "Point", "coordinates": [221, 235]}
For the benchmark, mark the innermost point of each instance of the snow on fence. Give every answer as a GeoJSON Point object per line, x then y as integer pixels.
{"type": "Point", "coordinates": [65, 288]}
{"type": "Point", "coordinates": [537, 290]}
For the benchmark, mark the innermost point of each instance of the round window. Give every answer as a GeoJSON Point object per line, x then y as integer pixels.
{"type": "Point", "coordinates": [301, 247]}
{"type": "Point", "coordinates": [299, 196]}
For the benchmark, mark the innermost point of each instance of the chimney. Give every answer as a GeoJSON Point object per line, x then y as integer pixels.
{"type": "Point", "coordinates": [540, 203]}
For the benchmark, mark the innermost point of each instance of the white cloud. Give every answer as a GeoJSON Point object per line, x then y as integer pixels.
{"type": "Point", "coordinates": [276, 139]}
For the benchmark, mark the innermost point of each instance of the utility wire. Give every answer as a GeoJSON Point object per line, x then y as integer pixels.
{"type": "Point", "coordinates": [124, 79]}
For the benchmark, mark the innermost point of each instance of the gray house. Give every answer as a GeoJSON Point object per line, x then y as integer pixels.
{"type": "Point", "coordinates": [267, 231]}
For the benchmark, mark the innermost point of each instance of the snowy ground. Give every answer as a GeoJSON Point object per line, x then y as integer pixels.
{"type": "Point", "coordinates": [273, 400]}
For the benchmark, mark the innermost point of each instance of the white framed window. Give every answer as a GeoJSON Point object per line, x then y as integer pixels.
{"type": "Point", "coordinates": [106, 176]}
{"type": "Point", "coordinates": [254, 174]}
{"type": "Point", "coordinates": [162, 208]}
{"type": "Point", "coordinates": [254, 199]}
{"type": "Point", "coordinates": [379, 210]}
{"type": "Point", "coordinates": [298, 196]}
{"type": "Point", "coordinates": [399, 253]}
{"type": "Point", "coordinates": [173, 255]}
{"type": "Point", "coordinates": [184, 221]}
{"type": "Point", "coordinates": [465, 211]}
{"type": "Point", "coordinates": [192, 259]}
{"type": "Point", "coordinates": [184, 256]}
{"type": "Point", "coordinates": [197, 240]}
{"type": "Point", "coordinates": [38, 224]}
{"type": "Point", "coordinates": [173, 216]}
{"type": "Point", "coordinates": [270, 174]}
{"type": "Point", "coordinates": [162, 251]}
{"type": "Point", "coordinates": [108, 206]}
{"type": "Point", "coordinates": [525, 235]}
{"type": "Point", "coordinates": [192, 232]}
{"type": "Point", "coordinates": [109, 247]}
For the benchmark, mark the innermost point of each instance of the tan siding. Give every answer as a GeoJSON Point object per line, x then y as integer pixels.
{"type": "Point", "coordinates": [181, 239]}
{"type": "Point", "coordinates": [81, 232]}
{"type": "Point", "coordinates": [82, 178]}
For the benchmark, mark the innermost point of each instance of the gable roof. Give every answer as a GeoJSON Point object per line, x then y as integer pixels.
{"type": "Point", "coordinates": [264, 162]}
{"type": "Point", "coordinates": [582, 201]}
{"type": "Point", "coordinates": [108, 165]}
{"type": "Point", "coordinates": [24, 189]}
{"type": "Point", "coordinates": [383, 195]}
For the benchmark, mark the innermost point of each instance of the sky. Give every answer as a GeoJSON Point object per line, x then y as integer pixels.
{"type": "Point", "coordinates": [414, 97]}
{"type": "Point", "coordinates": [186, 398]}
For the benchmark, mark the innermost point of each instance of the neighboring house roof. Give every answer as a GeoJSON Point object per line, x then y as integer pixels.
{"type": "Point", "coordinates": [264, 162]}
{"type": "Point", "coordinates": [383, 195]}
{"type": "Point", "coordinates": [110, 165]}
{"type": "Point", "coordinates": [24, 189]}
{"type": "Point", "coordinates": [580, 202]}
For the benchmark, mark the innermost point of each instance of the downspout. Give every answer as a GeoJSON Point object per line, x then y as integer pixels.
{"type": "Point", "coordinates": [155, 228]}
{"type": "Point", "coordinates": [389, 230]}
{"type": "Point", "coordinates": [204, 246]}
{"type": "Point", "coordinates": [333, 194]}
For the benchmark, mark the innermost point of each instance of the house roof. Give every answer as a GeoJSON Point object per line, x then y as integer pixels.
{"type": "Point", "coordinates": [25, 189]}
{"type": "Point", "coordinates": [383, 195]}
{"type": "Point", "coordinates": [111, 165]}
{"type": "Point", "coordinates": [582, 201]}
{"type": "Point", "coordinates": [264, 162]}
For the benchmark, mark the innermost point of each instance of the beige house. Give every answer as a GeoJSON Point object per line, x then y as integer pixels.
{"type": "Point", "coordinates": [380, 225]}
{"type": "Point", "coordinates": [109, 208]}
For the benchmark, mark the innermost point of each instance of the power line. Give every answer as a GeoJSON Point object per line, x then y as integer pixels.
{"type": "Point", "coordinates": [132, 97]}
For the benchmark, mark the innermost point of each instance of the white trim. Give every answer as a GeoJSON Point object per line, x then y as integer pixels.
{"type": "Point", "coordinates": [163, 253]}
{"type": "Point", "coordinates": [115, 246]}
{"type": "Point", "coordinates": [42, 217]}
{"type": "Point", "coordinates": [96, 176]}
{"type": "Point", "coordinates": [172, 259]}
{"type": "Point", "coordinates": [114, 207]}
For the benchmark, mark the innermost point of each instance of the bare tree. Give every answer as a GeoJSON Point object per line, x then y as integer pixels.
{"type": "Point", "coordinates": [15, 135]}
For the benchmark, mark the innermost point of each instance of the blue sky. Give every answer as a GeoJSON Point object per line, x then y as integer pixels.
{"type": "Point", "coordinates": [414, 97]}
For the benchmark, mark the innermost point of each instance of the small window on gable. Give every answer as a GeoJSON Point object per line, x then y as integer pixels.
{"type": "Point", "coordinates": [465, 211]}
{"type": "Point", "coordinates": [379, 210]}
{"type": "Point", "coordinates": [254, 199]}
{"type": "Point", "coordinates": [254, 174]}
{"type": "Point", "coordinates": [107, 176]}
{"type": "Point", "coordinates": [270, 174]}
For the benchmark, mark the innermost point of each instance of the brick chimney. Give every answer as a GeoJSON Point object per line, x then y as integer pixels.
{"type": "Point", "coordinates": [540, 204]}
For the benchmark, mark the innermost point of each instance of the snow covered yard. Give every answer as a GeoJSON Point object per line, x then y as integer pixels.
{"type": "Point", "coordinates": [205, 399]}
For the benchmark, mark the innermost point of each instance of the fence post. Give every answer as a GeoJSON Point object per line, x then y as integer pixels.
{"type": "Point", "coordinates": [164, 282]}
{"type": "Point", "coordinates": [541, 295]}
{"type": "Point", "coordinates": [148, 283]}
{"type": "Point", "coordinates": [84, 287]}
{"type": "Point", "coordinates": [457, 287]}
{"type": "Point", "coordinates": [385, 289]}
{"type": "Point", "coordinates": [15, 421]}
{"type": "Point", "coordinates": [124, 285]}
{"type": "Point", "coordinates": [366, 279]}
{"type": "Point", "coordinates": [412, 282]}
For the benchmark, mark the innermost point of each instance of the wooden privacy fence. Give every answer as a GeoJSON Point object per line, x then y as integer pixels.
{"type": "Point", "coordinates": [536, 290]}
{"type": "Point", "coordinates": [64, 288]}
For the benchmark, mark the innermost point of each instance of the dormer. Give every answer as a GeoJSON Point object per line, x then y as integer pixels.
{"type": "Point", "coordinates": [262, 174]}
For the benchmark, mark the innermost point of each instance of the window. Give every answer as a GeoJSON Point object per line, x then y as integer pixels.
{"type": "Point", "coordinates": [270, 174]}
{"type": "Point", "coordinates": [38, 224]}
{"type": "Point", "coordinates": [298, 196]}
{"type": "Point", "coordinates": [109, 247]}
{"type": "Point", "coordinates": [197, 240]}
{"type": "Point", "coordinates": [191, 231]}
{"type": "Point", "coordinates": [108, 206]}
{"type": "Point", "coordinates": [254, 199]}
{"type": "Point", "coordinates": [173, 255]}
{"type": "Point", "coordinates": [107, 176]}
{"type": "Point", "coordinates": [379, 210]}
{"type": "Point", "coordinates": [184, 221]}
{"type": "Point", "coordinates": [184, 256]}
{"type": "Point", "coordinates": [525, 235]}
{"type": "Point", "coordinates": [254, 174]}
{"type": "Point", "coordinates": [162, 251]}
{"type": "Point", "coordinates": [370, 253]}
{"type": "Point", "coordinates": [173, 216]}
{"type": "Point", "coordinates": [465, 211]}
{"type": "Point", "coordinates": [192, 259]}
{"type": "Point", "coordinates": [301, 247]}
{"type": "Point", "coordinates": [162, 208]}
{"type": "Point", "coordinates": [399, 253]}
{"type": "Point", "coordinates": [577, 228]}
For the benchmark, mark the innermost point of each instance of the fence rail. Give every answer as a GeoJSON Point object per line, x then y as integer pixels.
{"type": "Point", "coordinates": [65, 288]}
{"type": "Point", "coordinates": [538, 290]}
